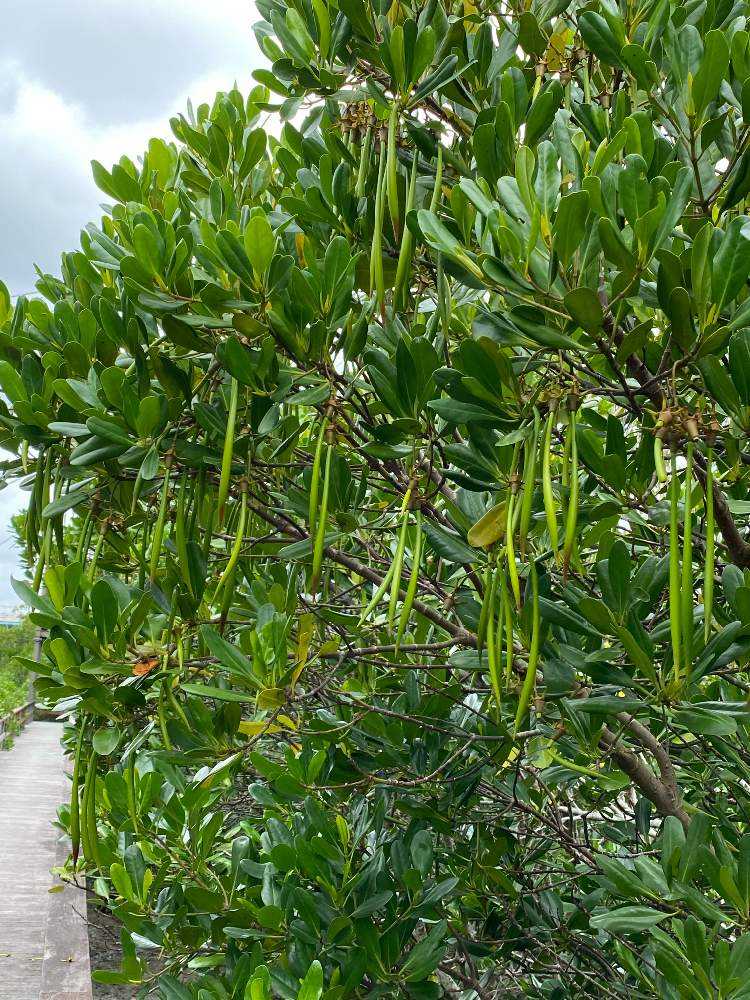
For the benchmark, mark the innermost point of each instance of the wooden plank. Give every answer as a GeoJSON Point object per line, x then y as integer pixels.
{"type": "Point", "coordinates": [66, 971]}
{"type": "Point", "coordinates": [31, 789]}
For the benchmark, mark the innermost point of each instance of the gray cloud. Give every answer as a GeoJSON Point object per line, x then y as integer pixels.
{"type": "Point", "coordinates": [118, 59]}
{"type": "Point", "coordinates": [85, 80]}
{"type": "Point", "coordinates": [93, 79]}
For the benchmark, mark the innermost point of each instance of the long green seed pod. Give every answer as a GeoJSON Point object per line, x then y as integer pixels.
{"type": "Point", "coordinates": [93, 831]}
{"type": "Point", "coordinates": [197, 510]}
{"type": "Point", "coordinates": [161, 520]}
{"type": "Point", "coordinates": [226, 457]}
{"type": "Point", "coordinates": [386, 581]}
{"type": "Point", "coordinates": [180, 535]}
{"type": "Point", "coordinates": [142, 560]}
{"type": "Point", "coordinates": [659, 466]}
{"type": "Point", "coordinates": [162, 718]}
{"type": "Point", "coordinates": [675, 624]}
{"type": "Point", "coordinates": [527, 691]}
{"type": "Point", "coordinates": [89, 798]}
{"type": "Point", "coordinates": [36, 504]}
{"type": "Point", "coordinates": [83, 815]}
{"type": "Point", "coordinates": [322, 524]}
{"type": "Point", "coordinates": [510, 553]}
{"type": "Point", "coordinates": [239, 538]}
{"type": "Point", "coordinates": [500, 597]}
{"type": "Point", "coordinates": [130, 779]}
{"type": "Point", "coordinates": [208, 531]}
{"type": "Point", "coordinates": [686, 609]}
{"type": "Point", "coordinates": [531, 450]}
{"type": "Point", "coordinates": [487, 583]}
{"type": "Point", "coordinates": [137, 487]}
{"type": "Point", "coordinates": [663, 421]}
{"type": "Point", "coordinates": [377, 279]}
{"type": "Point", "coordinates": [411, 589]}
{"type": "Point", "coordinates": [572, 517]}
{"type": "Point", "coordinates": [42, 497]}
{"type": "Point", "coordinates": [75, 789]}
{"type": "Point", "coordinates": [398, 564]}
{"type": "Point", "coordinates": [364, 163]}
{"type": "Point", "coordinates": [708, 565]}
{"type": "Point", "coordinates": [549, 497]}
{"type": "Point", "coordinates": [407, 239]}
{"type": "Point", "coordinates": [83, 537]}
{"type": "Point", "coordinates": [174, 704]}
{"type": "Point", "coordinates": [506, 612]}
{"type": "Point", "coordinates": [565, 472]}
{"type": "Point", "coordinates": [438, 186]}
{"type": "Point", "coordinates": [494, 647]}
{"type": "Point", "coordinates": [98, 549]}
{"type": "Point", "coordinates": [378, 595]}
{"type": "Point", "coordinates": [315, 477]}
{"type": "Point", "coordinates": [392, 172]}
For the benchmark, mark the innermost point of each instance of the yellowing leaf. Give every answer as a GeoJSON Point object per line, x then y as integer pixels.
{"type": "Point", "coordinates": [488, 528]}
{"type": "Point", "coordinates": [271, 697]}
{"type": "Point", "coordinates": [253, 727]}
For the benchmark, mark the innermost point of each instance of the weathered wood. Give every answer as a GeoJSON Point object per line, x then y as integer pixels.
{"type": "Point", "coordinates": [17, 717]}
{"type": "Point", "coordinates": [66, 971]}
{"type": "Point", "coordinates": [43, 940]}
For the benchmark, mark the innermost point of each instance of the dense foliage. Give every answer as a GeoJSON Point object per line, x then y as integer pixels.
{"type": "Point", "coordinates": [402, 609]}
{"type": "Point", "coordinates": [15, 641]}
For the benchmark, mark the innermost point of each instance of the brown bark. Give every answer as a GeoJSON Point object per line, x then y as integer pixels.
{"type": "Point", "coordinates": [661, 789]}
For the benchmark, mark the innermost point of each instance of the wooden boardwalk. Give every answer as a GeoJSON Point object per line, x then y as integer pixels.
{"type": "Point", "coordinates": [43, 942]}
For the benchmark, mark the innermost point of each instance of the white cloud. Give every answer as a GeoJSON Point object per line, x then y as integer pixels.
{"type": "Point", "coordinates": [120, 58]}
{"type": "Point", "coordinates": [94, 79]}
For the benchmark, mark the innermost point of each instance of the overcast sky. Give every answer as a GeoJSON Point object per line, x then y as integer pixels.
{"type": "Point", "coordinates": [93, 79]}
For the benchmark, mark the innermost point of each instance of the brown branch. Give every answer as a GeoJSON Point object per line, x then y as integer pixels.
{"type": "Point", "coordinates": [661, 791]}
{"type": "Point", "coordinates": [737, 547]}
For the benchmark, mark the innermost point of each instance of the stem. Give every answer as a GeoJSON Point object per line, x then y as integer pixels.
{"type": "Point", "coordinates": [686, 610]}
{"type": "Point", "coordinates": [226, 458]}
{"type": "Point", "coordinates": [529, 682]}
{"type": "Point", "coordinates": [708, 570]}
{"type": "Point", "coordinates": [674, 569]}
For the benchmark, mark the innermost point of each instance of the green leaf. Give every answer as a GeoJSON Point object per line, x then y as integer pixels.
{"type": "Point", "coordinates": [448, 545]}
{"type": "Point", "coordinates": [599, 37]}
{"type": "Point", "coordinates": [11, 383]}
{"type": "Point", "coordinates": [720, 385]}
{"type": "Point", "coordinates": [627, 920]}
{"type": "Point", "coordinates": [421, 851]}
{"type": "Point", "coordinates": [228, 655]}
{"type": "Point", "coordinates": [712, 70]}
{"type": "Point", "coordinates": [312, 985]}
{"type": "Point", "coordinates": [436, 234]}
{"type": "Point", "coordinates": [675, 207]}
{"type": "Point", "coordinates": [106, 740]}
{"type": "Point", "coordinates": [569, 226]}
{"type": "Point", "coordinates": [219, 694]}
{"type": "Point", "coordinates": [731, 265]}
{"type": "Point", "coordinates": [259, 242]}
{"type": "Point", "coordinates": [104, 609]}
{"type": "Point", "coordinates": [377, 901]}
{"type": "Point", "coordinates": [739, 364]}
{"type": "Point", "coordinates": [548, 178]}
{"type": "Point", "coordinates": [426, 955]}
{"type": "Point", "coordinates": [585, 309]}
